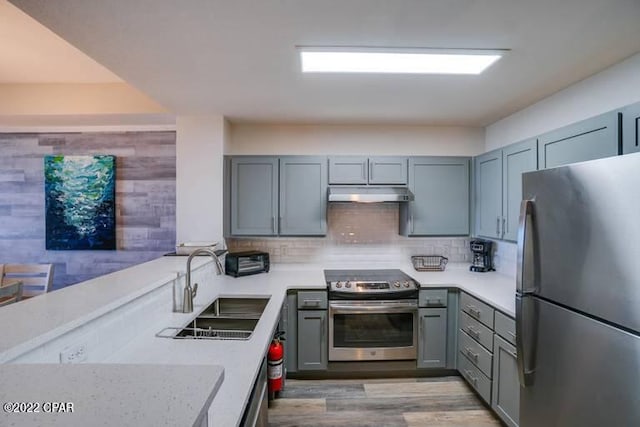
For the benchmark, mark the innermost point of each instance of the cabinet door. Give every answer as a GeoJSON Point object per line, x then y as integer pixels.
{"type": "Point", "coordinates": [348, 170]}
{"type": "Point", "coordinates": [388, 170]}
{"type": "Point", "coordinates": [488, 197]}
{"type": "Point", "coordinates": [506, 387]}
{"type": "Point", "coordinates": [589, 139]}
{"type": "Point", "coordinates": [254, 196]}
{"type": "Point", "coordinates": [289, 324]}
{"type": "Point", "coordinates": [432, 330]}
{"type": "Point", "coordinates": [303, 196]}
{"type": "Point", "coordinates": [312, 340]}
{"type": "Point", "coordinates": [516, 159]}
{"type": "Point", "coordinates": [441, 189]}
{"type": "Point", "coordinates": [631, 129]}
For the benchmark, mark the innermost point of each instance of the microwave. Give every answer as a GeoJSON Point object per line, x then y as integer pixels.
{"type": "Point", "coordinates": [245, 263]}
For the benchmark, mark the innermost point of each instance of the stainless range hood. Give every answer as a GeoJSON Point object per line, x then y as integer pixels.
{"type": "Point", "coordinates": [370, 194]}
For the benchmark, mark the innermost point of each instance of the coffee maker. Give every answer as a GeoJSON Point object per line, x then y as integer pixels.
{"type": "Point", "coordinates": [481, 251]}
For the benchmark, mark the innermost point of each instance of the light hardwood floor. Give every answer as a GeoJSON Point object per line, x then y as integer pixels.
{"type": "Point", "coordinates": [428, 402]}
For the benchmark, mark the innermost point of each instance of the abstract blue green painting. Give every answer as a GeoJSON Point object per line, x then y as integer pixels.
{"type": "Point", "coordinates": [80, 202]}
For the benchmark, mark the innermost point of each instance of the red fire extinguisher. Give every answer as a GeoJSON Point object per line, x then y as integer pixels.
{"type": "Point", "coordinates": [275, 364]}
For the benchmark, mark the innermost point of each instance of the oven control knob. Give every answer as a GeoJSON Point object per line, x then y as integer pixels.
{"type": "Point", "coordinates": [348, 285]}
{"type": "Point", "coordinates": [396, 284]}
{"type": "Point", "coordinates": [406, 284]}
{"type": "Point", "coordinates": [339, 285]}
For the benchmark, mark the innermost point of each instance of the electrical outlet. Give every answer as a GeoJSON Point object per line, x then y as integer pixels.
{"type": "Point", "coordinates": [74, 354]}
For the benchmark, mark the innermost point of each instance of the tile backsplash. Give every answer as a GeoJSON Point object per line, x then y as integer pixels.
{"type": "Point", "coordinates": [357, 232]}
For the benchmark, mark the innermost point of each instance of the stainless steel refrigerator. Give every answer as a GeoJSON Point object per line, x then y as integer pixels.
{"type": "Point", "coordinates": [578, 295]}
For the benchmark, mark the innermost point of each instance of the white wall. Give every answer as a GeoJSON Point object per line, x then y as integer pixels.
{"type": "Point", "coordinates": [612, 88]}
{"type": "Point", "coordinates": [355, 139]}
{"type": "Point", "coordinates": [200, 142]}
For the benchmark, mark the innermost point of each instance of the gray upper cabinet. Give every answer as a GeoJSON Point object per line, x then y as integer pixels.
{"type": "Point", "coordinates": [388, 170]}
{"type": "Point", "coordinates": [488, 194]}
{"type": "Point", "coordinates": [348, 170]}
{"type": "Point", "coordinates": [516, 159]}
{"type": "Point", "coordinates": [254, 196]}
{"type": "Point", "coordinates": [432, 331]}
{"type": "Point", "coordinates": [441, 189]}
{"type": "Point", "coordinates": [498, 185]}
{"type": "Point", "coordinates": [589, 139]}
{"type": "Point", "coordinates": [360, 170]}
{"type": "Point", "coordinates": [631, 128]}
{"type": "Point", "coordinates": [505, 399]}
{"type": "Point", "coordinates": [303, 196]}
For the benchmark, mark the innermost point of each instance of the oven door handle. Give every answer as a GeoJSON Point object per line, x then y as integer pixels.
{"type": "Point", "coordinates": [395, 307]}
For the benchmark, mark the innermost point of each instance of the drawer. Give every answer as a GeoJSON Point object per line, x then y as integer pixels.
{"type": "Point", "coordinates": [477, 309]}
{"type": "Point", "coordinates": [475, 378]}
{"type": "Point", "coordinates": [477, 354]}
{"type": "Point", "coordinates": [312, 300]}
{"type": "Point", "coordinates": [432, 298]}
{"type": "Point", "coordinates": [505, 326]}
{"type": "Point", "coordinates": [476, 330]}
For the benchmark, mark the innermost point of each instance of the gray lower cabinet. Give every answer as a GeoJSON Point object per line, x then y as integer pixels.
{"type": "Point", "coordinates": [432, 335]}
{"type": "Point", "coordinates": [254, 196]}
{"type": "Point", "coordinates": [312, 340]}
{"type": "Point", "coordinates": [589, 139]}
{"type": "Point", "coordinates": [441, 205]}
{"type": "Point", "coordinates": [289, 324]}
{"type": "Point", "coordinates": [505, 399]}
{"type": "Point", "coordinates": [303, 196]}
{"type": "Point", "coordinates": [631, 128]}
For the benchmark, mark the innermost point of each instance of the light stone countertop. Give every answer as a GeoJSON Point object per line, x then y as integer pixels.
{"type": "Point", "coordinates": [109, 395]}
{"type": "Point", "coordinates": [241, 359]}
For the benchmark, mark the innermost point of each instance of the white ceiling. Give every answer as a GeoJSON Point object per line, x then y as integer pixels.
{"type": "Point", "coordinates": [238, 58]}
{"type": "Point", "coordinates": [31, 53]}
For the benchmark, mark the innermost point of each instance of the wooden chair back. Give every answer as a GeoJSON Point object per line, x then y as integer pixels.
{"type": "Point", "coordinates": [10, 293]}
{"type": "Point", "coordinates": [36, 278]}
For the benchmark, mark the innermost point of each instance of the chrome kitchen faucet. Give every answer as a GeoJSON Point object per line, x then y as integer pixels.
{"type": "Point", "coordinates": [189, 292]}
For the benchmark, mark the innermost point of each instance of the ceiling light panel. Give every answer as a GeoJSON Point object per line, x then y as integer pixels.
{"type": "Point", "coordinates": [432, 61]}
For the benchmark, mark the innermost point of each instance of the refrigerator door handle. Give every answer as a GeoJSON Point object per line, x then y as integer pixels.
{"type": "Point", "coordinates": [525, 283]}
{"type": "Point", "coordinates": [526, 321]}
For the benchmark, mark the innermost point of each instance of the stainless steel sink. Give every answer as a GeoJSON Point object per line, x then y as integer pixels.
{"type": "Point", "coordinates": [227, 318]}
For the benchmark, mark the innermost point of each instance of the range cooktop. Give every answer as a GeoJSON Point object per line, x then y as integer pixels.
{"type": "Point", "coordinates": [370, 283]}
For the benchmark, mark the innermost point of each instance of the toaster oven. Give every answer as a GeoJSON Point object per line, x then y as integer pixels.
{"type": "Point", "coordinates": [246, 263]}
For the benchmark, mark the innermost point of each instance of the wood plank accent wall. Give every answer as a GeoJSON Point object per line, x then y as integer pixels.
{"type": "Point", "coordinates": [145, 200]}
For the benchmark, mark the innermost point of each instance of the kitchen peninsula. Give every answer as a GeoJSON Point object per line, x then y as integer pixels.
{"type": "Point", "coordinates": [114, 320]}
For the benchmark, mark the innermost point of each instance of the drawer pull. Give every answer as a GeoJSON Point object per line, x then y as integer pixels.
{"type": "Point", "coordinates": [434, 301]}
{"type": "Point", "coordinates": [474, 312]}
{"type": "Point", "coordinates": [472, 354]}
{"type": "Point", "coordinates": [311, 302]}
{"type": "Point", "coordinates": [471, 378]}
{"type": "Point", "coordinates": [473, 332]}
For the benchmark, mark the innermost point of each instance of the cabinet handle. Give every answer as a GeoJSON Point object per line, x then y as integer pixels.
{"type": "Point", "coordinates": [637, 134]}
{"type": "Point", "coordinates": [434, 301]}
{"type": "Point", "coordinates": [370, 171]}
{"type": "Point", "coordinates": [473, 332]}
{"type": "Point", "coordinates": [513, 334]}
{"type": "Point", "coordinates": [470, 377]}
{"type": "Point", "coordinates": [473, 312]}
{"type": "Point", "coordinates": [472, 354]}
{"type": "Point", "coordinates": [504, 226]}
{"type": "Point", "coordinates": [279, 223]}
{"type": "Point", "coordinates": [498, 226]}
{"type": "Point", "coordinates": [513, 353]}
{"type": "Point", "coordinates": [412, 224]}
{"type": "Point", "coordinates": [273, 223]}
{"type": "Point", "coordinates": [311, 302]}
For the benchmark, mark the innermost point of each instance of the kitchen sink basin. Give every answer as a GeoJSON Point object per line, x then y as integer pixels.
{"type": "Point", "coordinates": [227, 318]}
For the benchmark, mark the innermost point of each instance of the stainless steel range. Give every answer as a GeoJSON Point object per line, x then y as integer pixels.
{"type": "Point", "coordinates": [373, 315]}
